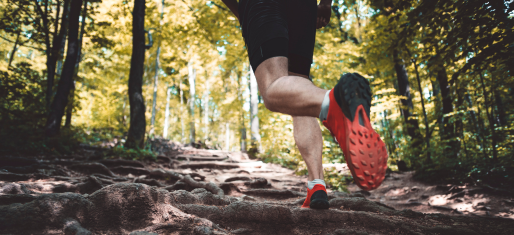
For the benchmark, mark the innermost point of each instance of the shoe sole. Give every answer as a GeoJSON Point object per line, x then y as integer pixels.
{"type": "Point", "coordinates": [363, 150]}
{"type": "Point", "coordinates": [319, 204]}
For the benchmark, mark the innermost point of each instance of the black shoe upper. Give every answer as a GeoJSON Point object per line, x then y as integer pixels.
{"type": "Point", "coordinates": [351, 91]}
{"type": "Point", "coordinates": [319, 200]}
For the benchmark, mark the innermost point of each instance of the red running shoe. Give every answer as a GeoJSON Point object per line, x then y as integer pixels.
{"type": "Point", "coordinates": [316, 198]}
{"type": "Point", "coordinates": [348, 122]}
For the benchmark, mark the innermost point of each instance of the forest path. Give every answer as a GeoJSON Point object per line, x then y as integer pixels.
{"type": "Point", "coordinates": [197, 191]}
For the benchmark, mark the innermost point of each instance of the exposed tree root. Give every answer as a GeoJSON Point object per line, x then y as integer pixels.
{"type": "Point", "coordinates": [359, 204]}
{"type": "Point", "coordinates": [212, 187]}
{"type": "Point", "coordinates": [195, 157]}
{"type": "Point", "coordinates": [125, 208]}
{"type": "Point", "coordinates": [121, 162]}
{"type": "Point", "coordinates": [151, 182]}
{"type": "Point", "coordinates": [164, 174]}
{"type": "Point", "coordinates": [125, 170]}
{"type": "Point", "coordinates": [214, 165]}
{"type": "Point", "coordinates": [91, 168]}
{"type": "Point", "coordinates": [236, 178]}
{"type": "Point", "coordinates": [274, 193]}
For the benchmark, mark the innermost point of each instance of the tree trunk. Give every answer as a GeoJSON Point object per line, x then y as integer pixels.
{"type": "Point", "coordinates": [156, 78]}
{"type": "Point", "coordinates": [427, 133]}
{"type": "Point", "coordinates": [183, 139]}
{"type": "Point", "coordinates": [501, 115]}
{"type": "Point", "coordinates": [54, 49]}
{"type": "Point", "coordinates": [206, 110]}
{"type": "Point", "coordinates": [242, 129]}
{"type": "Point", "coordinates": [442, 79]}
{"type": "Point", "coordinates": [136, 134]}
{"type": "Point", "coordinates": [191, 101]}
{"type": "Point", "coordinates": [69, 108]}
{"type": "Point", "coordinates": [14, 49]}
{"type": "Point", "coordinates": [155, 82]}
{"type": "Point", "coordinates": [490, 116]}
{"type": "Point", "coordinates": [167, 114]}
{"type": "Point", "coordinates": [255, 138]}
{"type": "Point", "coordinates": [448, 132]}
{"type": "Point", "coordinates": [60, 101]}
{"type": "Point", "coordinates": [404, 90]}
{"type": "Point", "coordinates": [227, 137]}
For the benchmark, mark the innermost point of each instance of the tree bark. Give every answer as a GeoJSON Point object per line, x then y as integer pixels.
{"type": "Point", "coordinates": [427, 133]}
{"type": "Point", "coordinates": [155, 82]}
{"type": "Point", "coordinates": [56, 46]}
{"type": "Point", "coordinates": [448, 132]}
{"type": "Point", "coordinates": [490, 116]}
{"type": "Point", "coordinates": [407, 106]}
{"type": "Point", "coordinates": [227, 136]}
{"type": "Point", "coordinates": [183, 139]}
{"type": "Point", "coordinates": [60, 101]}
{"type": "Point", "coordinates": [15, 48]}
{"type": "Point", "coordinates": [156, 78]}
{"type": "Point", "coordinates": [255, 138]}
{"type": "Point", "coordinates": [442, 78]}
{"type": "Point", "coordinates": [191, 101]}
{"type": "Point", "coordinates": [501, 114]}
{"type": "Point", "coordinates": [69, 109]}
{"type": "Point", "coordinates": [167, 114]}
{"type": "Point", "coordinates": [242, 116]}
{"type": "Point", "coordinates": [206, 109]}
{"type": "Point", "coordinates": [136, 134]}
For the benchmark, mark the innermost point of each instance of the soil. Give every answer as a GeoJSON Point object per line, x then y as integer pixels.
{"type": "Point", "coordinates": [199, 191]}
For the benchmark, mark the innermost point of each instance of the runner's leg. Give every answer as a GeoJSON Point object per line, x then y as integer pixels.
{"type": "Point", "coordinates": [307, 135]}
{"type": "Point", "coordinates": [286, 94]}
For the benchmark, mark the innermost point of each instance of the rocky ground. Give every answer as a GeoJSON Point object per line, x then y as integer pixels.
{"type": "Point", "coordinates": [197, 191]}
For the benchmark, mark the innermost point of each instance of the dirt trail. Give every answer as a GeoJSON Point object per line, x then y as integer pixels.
{"type": "Point", "coordinates": [195, 191]}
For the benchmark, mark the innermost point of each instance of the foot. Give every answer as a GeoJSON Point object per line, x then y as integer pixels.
{"type": "Point", "coordinates": [348, 121]}
{"type": "Point", "coordinates": [316, 198]}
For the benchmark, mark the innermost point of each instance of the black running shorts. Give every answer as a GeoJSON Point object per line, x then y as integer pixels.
{"type": "Point", "coordinates": [274, 28]}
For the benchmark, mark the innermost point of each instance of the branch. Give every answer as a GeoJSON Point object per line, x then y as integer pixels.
{"type": "Point", "coordinates": [21, 44]}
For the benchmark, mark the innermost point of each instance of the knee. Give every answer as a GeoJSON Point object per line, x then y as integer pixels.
{"type": "Point", "coordinates": [269, 103]}
{"type": "Point", "coordinates": [271, 106]}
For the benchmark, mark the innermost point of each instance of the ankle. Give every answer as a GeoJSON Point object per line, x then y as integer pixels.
{"type": "Point", "coordinates": [310, 184]}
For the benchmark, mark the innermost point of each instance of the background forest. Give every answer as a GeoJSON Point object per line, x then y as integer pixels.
{"type": "Point", "coordinates": [120, 73]}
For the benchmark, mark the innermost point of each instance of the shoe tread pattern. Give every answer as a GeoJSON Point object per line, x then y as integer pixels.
{"type": "Point", "coordinates": [351, 91]}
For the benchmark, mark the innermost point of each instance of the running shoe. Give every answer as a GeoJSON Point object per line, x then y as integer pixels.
{"type": "Point", "coordinates": [316, 198]}
{"type": "Point", "coordinates": [348, 121]}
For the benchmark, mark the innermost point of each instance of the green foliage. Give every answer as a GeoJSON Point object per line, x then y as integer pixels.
{"type": "Point", "coordinates": [132, 154]}
{"type": "Point", "coordinates": [21, 98]}
{"type": "Point", "coordinates": [337, 181]}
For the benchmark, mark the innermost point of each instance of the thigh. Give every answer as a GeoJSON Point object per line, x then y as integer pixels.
{"type": "Point", "coordinates": [263, 21]}
{"type": "Point", "coordinates": [301, 18]}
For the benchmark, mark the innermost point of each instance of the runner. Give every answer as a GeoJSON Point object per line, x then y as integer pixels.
{"type": "Point", "coordinates": [279, 36]}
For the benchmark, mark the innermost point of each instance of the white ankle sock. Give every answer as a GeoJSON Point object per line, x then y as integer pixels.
{"type": "Point", "coordinates": [310, 184]}
{"type": "Point", "coordinates": [324, 107]}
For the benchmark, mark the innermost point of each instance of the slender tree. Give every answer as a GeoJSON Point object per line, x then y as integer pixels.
{"type": "Point", "coordinates": [206, 109]}
{"type": "Point", "coordinates": [156, 76]}
{"type": "Point", "coordinates": [54, 46]}
{"type": "Point", "coordinates": [136, 134]}
{"type": "Point", "coordinates": [255, 138]}
{"type": "Point", "coordinates": [167, 113]}
{"type": "Point", "coordinates": [191, 100]}
{"type": "Point", "coordinates": [407, 106]}
{"type": "Point", "coordinates": [69, 108]}
{"type": "Point", "coordinates": [14, 49]}
{"type": "Point", "coordinates": [60, 101]}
